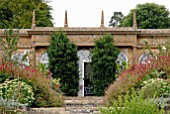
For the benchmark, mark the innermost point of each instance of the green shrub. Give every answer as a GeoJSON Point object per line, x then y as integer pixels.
{"type": "Point", "coordinates": [17, 89]}
{"type": "Point", "coordinates": [63, 63]}
{"type": "Point", "coordinates": [104, 56]}
{"type": "Point", "coordinates": [155, 87]}
{"type": "Point", "coordinates": [133, 104]}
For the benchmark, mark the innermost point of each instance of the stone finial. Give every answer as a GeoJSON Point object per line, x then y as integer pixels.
{"type": "Point", "coordinates": [65, 21]}
{"type": "Point", "coordinates": [102, 20]}
{"type": "Point", "coordinates": [33, 20]}
{"type": "Point", "coordinates": [134, 21]}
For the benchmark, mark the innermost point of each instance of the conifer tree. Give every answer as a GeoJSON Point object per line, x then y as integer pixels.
{"type": "Point", "coordinates": [104, 56]}
{"type": "Point", "coordinates": [63, 63]}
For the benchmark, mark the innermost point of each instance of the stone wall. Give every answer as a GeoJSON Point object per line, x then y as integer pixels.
{"type": "Point", "coordinates": [128, 40]}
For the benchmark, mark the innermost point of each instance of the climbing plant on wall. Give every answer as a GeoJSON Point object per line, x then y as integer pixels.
{"type": "Point", "coordinates": [63, 63]}
{"type": "Point", "coordinates": [104, 56]}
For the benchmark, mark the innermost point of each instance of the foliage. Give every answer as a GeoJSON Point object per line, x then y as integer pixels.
{"type": "Point", "coordinates": [104, 56]}
{"type": "Point", "coordinates": [55, 83]}
{"type": "Point", "coordinates": [149, 16]}
{"type": "Point", "coordinates": [120, 67]}
{"type": "Point", "coordinates": [63, 63]}
{"type": "Point", "coordinates": [9, 44]}
{"type": "Point", "coordinates": [115, 19]}
{"type": "Point", "coordinates": [133, 103]}
{"type": "Point", "coordinates": [9, 106]}
{"type": "Point", "coordinates": [155, 87]}
{"type": "Point", "coordinates": [17, 89]}
{"type": "Point", "coordinates": [133, 77]}
{"type": "Point", "coordinates": [18, 13]}
{"type": "Point", "coordinates": [44, 95]}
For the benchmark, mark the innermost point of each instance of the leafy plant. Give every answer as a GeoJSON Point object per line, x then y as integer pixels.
{"type": "Point", "coordinates": [155, 87]}
{"type": "Point", "coordinates": [9, 106]}
{"type": "Point", "coordinates": [44, 94]}
{"type": "Point", "coordinates": [133, 77]}
{"type": "Point", "coordinates": [9, 44]}
{"type": "Point", "coordinates": [20, 90]}
{"type": "Point", "coordinates": [55, 83]}
{"type": "Point", "coordinates": [133, 103]}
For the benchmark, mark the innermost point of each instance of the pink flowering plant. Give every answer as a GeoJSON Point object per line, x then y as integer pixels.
{"type": "Point", "coordinates": [134, 77]}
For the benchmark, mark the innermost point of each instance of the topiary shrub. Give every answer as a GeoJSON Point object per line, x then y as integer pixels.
{"type": "Point", "coordinates": [63, 63]}
{"type": "Point", "coordinates": [104, 56]}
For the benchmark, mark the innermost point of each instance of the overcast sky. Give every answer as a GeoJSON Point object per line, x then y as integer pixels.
{"type": "Point", "coordinates": [87, 13]}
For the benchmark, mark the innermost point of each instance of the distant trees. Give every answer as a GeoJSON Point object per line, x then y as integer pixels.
{"type": "Point", "coordinates": [115, 19]}
{"type": "Point", "coordinates": [18, 13]}
{"type": "Point", "coordinates": [104, 56]}
{"type": "Point", "coordinates": [149, 16]}
{"type": "Point", "coordinates": [63, 63]}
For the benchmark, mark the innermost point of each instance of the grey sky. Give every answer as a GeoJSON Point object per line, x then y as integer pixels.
{"type": "Point", "coordinates": [87, 13]}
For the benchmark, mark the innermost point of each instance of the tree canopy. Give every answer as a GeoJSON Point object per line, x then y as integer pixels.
{"type": "Point", "coordinates": [18, 13]}
{"type": "Point", "coordinates": [149, 16]}
{"type": "Point", "coordinates": [115, 19]}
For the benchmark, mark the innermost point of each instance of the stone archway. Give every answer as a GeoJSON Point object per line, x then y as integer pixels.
{"type": "Point", "coordinates": [84, 60]}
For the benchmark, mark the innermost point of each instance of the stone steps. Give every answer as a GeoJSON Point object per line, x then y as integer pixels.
{"type": "Point", "coordinates": [82, 101]}
{"type": "Point", "coordinates": [82, 105]}
{"type": "Point", "coordinates": [72, 105]}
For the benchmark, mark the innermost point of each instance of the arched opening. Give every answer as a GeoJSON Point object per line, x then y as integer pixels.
{"type": "Point", "coordinates": [85, 81]}
{"type": "Point", "coordinates": [21, 58]}
{"type": "Point", "coordinates": [144, 58]}
{"type": "Point", "coordinates": [44, 59]}
{"type": "Point", "coordinates": [122, 58]}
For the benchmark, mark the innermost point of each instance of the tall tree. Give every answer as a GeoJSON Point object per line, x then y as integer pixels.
{"type": "Point", "coordinates": [18, 13]}
{"type": "Point", "coordinates": [63, 63]}
{"type": "Point", "coordinates": [115, 19]}
{"type": "Point", "coordinates": [149, 16]}
{"type": "Point", "coordinates": [104, 56]}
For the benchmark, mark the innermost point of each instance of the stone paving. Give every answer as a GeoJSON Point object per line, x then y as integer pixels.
{"type": "Point", "coordinates": [72, 105]}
